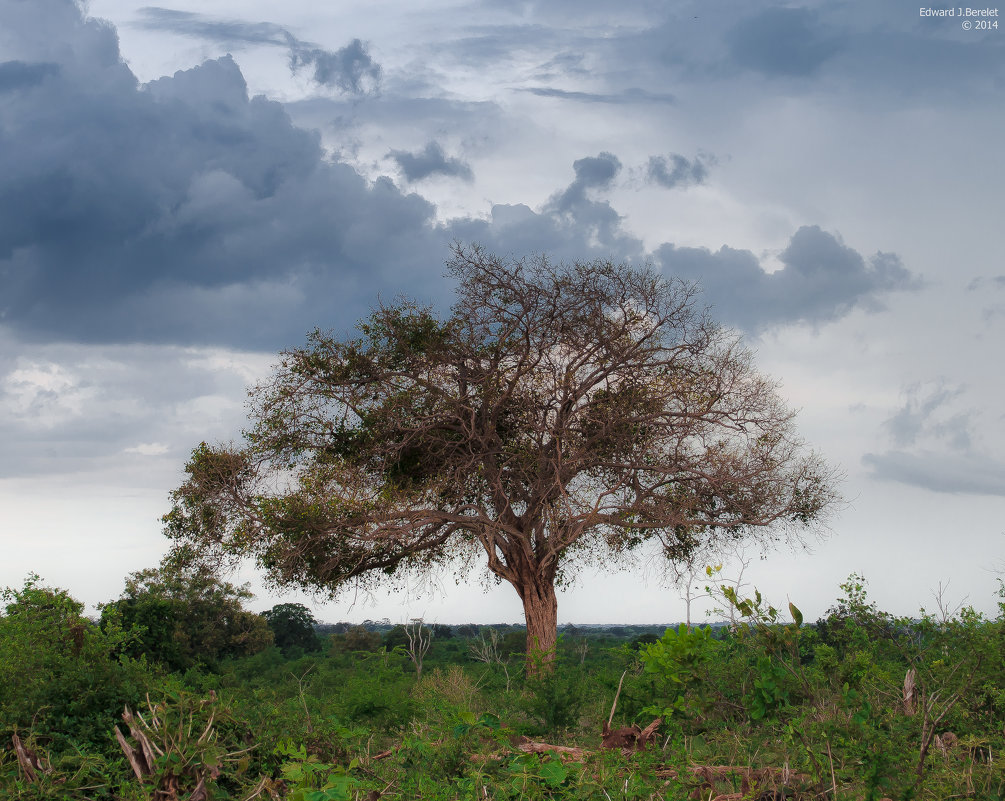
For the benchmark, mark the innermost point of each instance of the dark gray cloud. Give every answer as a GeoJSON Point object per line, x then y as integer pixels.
{"type": "Point", "coordinates": [431, 160]}
{"type": "Point", "coordinates": [624, 97]}
{"type": "Point", "coordinates": [19, 75]}
{"type": "Point", "coordinates": [934, 444]}
{"type": "Point", "coordinates": [783, 42]}
{"type": "Point", "coordinates": [677, 172]}
{"type": "Point", "coordinates": [184, 212]}
{"type": "Point", "coordinates": [350, 69]}
{"type": "Point", "coordinates": [597, 170]}
{"type": "Point", "coordinates": [592, 172]}
{"type": "Point", "coordinates": [597, 218]}
{"type": "Point", "coordinates": [940, 472]}
{"type": "Point", "coordinates": [822, 279]}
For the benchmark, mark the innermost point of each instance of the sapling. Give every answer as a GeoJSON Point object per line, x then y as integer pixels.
{"type": "Point", "coordinates": [419, 639]}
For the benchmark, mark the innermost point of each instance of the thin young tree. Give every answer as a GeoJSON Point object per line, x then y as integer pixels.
{"type": "Point", "coordinates": [488, 649]}
{"type": "Point", "coordinates": [420, 637]}
{"type": "Point", "coordinates": [561, 415]}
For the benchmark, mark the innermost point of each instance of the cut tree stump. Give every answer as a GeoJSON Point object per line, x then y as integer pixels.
{"type": "Point", "coordinates": [629, 738]}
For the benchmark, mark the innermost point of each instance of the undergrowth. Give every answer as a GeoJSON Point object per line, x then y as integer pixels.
{"type": "Point", "coordinates": [860, 705]}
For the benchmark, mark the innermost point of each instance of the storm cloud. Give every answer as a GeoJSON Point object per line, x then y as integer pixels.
{"type": "Point", "coordinates": [677, 172]}
{"type": "Point", "coordinates": [350, 69]}
{"type": "Point", "coordinates": [16, 75]}
{"type": "Point", "coordinates": [183, 211]}
{"type": "Point", "coordinates": [822, 279]}
{"type": "Point", "coordinates": [783, 42]}
{"type": "Point", "coordinates": [431, 160]}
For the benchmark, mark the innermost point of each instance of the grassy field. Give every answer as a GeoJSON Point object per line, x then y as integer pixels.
{"type": "Point", "coordinates": [859, 705]}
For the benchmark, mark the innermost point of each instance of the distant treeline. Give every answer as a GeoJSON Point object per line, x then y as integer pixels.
{"type": "Point", "coordinates": [627, 631]}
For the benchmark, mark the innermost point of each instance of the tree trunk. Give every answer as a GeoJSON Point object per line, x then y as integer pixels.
{"type": "Point", "coordinates": [540, 609]}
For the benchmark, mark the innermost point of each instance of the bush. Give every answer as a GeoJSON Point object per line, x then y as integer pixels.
{"type": "Point", "coordinates": [61, 676]}
{"type": "Point", "coordinates": [185, 615]}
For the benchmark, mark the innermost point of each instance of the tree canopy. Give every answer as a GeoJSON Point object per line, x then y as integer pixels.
{"type": "Point", "coordinates": [292, 627]}
{"type": "Point", "coordinates": [561, 414]}
{"type": "Point", "coordinates": [183, 614]}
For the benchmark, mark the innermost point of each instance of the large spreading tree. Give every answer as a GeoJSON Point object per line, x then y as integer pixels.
{"type": "Point", "coordinates": [561, 415]}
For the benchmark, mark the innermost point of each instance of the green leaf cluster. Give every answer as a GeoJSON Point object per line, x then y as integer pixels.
{"type": "Point", "coordinates": [678, 661]}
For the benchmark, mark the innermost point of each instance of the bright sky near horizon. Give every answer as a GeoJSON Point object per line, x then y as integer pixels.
{"type": "Point", "coordinates": [185, 190]}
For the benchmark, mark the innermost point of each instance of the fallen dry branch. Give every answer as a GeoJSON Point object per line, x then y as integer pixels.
{"type": "Point", "coordinates": [767, 783]}
{"type": "Point", "coordinates": [31, 763]}
{"type": "Point", "coordinates": [765, 780]}
{"type": "Point", "coordinates": [566, 752]}
{"type": "Point", "coordinates": [169, 751]}
{"type": "Point", "coordinates": [629, 738]}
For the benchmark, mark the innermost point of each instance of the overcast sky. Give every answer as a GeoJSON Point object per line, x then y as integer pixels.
{"type": "Point", "coordinates": [187, 189]}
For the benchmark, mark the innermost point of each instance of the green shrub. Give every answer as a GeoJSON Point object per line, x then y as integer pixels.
{"type": "Point", "coordinates": [62, 678]}
{"type": "Point", "coordinates": [557, 697]}
{"type": "Point", "coordinates": [185, 615]}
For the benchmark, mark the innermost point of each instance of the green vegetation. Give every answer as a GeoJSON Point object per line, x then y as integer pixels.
{"type": "Point", "coordinates": [860, 705]}
{"type": "Point", "coordinates": [182, 615]}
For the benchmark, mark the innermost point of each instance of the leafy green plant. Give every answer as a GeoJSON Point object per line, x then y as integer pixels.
{"type": "Point", "coordinates": [529, 772]}
{"type": "Point", "coordinates": [60, 674]}
{"type": "Point", "coordinates": [557, 698]}
{"type": "Point", "coordinates": [769, 692]}
{"type": "Point", "coordinates": [677, 661]}
{"type": "Point", "coordinates": [487, 721]}
{"type": "Point", "coordinates": [309, 779]}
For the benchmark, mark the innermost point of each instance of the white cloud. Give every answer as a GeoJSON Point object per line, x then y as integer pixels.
{"type": "Point", "coordinates": [148, 449]}
{"type": "Point", "coordinates": [44, 395]}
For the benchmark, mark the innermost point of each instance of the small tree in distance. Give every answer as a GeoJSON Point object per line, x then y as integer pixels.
{"type": "Point", "coordinates": [560, 416]}
{"type": "Point", "coordinates": [420, 637]}
{"type": "Point", "coordinates": [186, 614]}
{"type": "Point", "coordinates": [292, 626]}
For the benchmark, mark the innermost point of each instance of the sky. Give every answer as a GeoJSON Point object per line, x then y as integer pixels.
{"type": "Point", "coordinates": [188, 189]}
